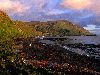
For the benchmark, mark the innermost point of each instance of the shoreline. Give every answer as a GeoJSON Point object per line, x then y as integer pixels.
{"type": "Point", "coordinates": [56, 55]}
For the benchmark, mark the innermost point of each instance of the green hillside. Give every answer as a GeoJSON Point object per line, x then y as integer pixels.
{"type": "Point", "coordinates": [58, 28]}
{"type": "Point", "coordinates": [12, 29]}
{"type": "Point", "coordinates": [7, 30]}
{"type": "Point", "coordinates": [9, 58]}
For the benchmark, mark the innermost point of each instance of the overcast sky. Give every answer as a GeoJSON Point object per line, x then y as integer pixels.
{"type": "Point", "coordinates": [84, 12]}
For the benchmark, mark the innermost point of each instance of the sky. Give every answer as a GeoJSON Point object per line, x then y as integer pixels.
{"type": "Point", "coordinates": [83, 12]}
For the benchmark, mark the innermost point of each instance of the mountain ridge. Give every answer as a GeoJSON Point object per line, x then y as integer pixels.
{"type": "Point", "coordinates": [36, 28]}
{"type": "Point", "coordinates": [59, 27]}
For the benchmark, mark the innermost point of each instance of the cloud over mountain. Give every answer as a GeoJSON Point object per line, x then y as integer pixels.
{"type": "Point", "coordinates": [79, 11]}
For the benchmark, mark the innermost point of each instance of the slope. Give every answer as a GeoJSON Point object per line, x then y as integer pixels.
{"type": "Point", "coordinates": [58, 28]}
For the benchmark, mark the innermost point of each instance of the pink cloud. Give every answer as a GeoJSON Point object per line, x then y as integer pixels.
{"type": "Point", "coordinates": [91, 5]}
{"type": "Point", "coordinates": [12, 6]}
{"type": "Point", "coordinates": [76, 4]}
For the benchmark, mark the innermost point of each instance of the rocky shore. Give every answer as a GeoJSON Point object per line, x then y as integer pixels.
{"type": "Point", "coordinates": [56, 59]}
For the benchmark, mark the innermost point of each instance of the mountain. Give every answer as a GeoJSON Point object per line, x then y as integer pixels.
{"type": "Point", "coordinates": [58, 28]}
{"type": "Point", "coordinates": [13, 29]}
